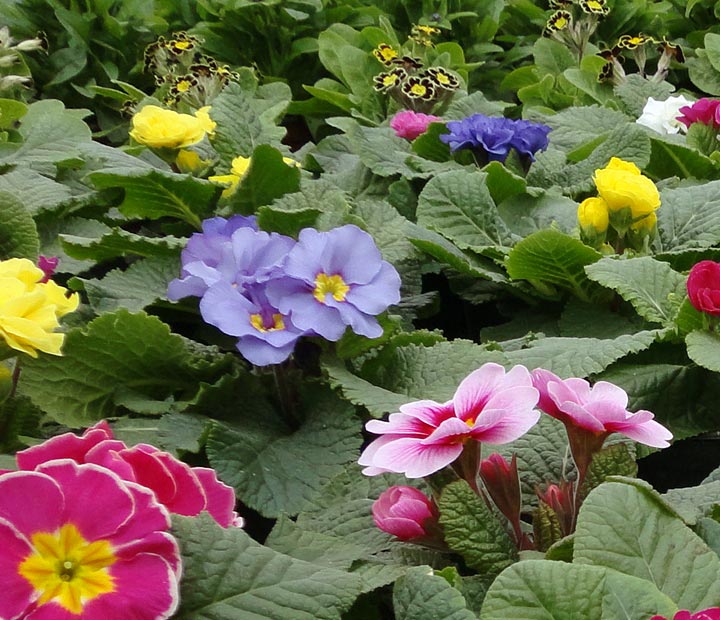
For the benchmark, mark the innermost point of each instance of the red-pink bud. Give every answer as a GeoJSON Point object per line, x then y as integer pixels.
{"type": "Point", "coordinates": [702, 111]}
{"type": "Point", "coordinates": [404, 512]}
{"type": "Point", "coordinates": [703, 287]}
{"type": "Point", "coordinates": [48, 265]}
{"type": "Point", "coordinates": [502, 484]}
{"type": "Point", "coordinates": [562, 500]}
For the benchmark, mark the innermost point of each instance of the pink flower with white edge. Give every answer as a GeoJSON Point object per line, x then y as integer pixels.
{"type": "Point", "coordinates": [79, 543]}
{"type": "Point", "coordinates": [409, 125]}
{"type": "Point", "coordinates": [713, 613]}
{"type": "Point", "coordinates": [182, 489]}
{"type": "Point", "coordinates": [490, 406]}
{"type": "Point", "coordinates": [599, 410]}
{"type": "Point", "coordinates": [405, 512]}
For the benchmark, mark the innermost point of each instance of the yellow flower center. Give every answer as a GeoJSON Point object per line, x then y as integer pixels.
{"type": "Point", "coordinates": [470, 422]}
{"type": "Point", "coordinates": [332, 285]}
{"type": "Point", "coordinates": [560, 23]}
{"type": "Point", "coordinates": [182, 45]}
{"type": "Point", "coordinates": [389, 79]}
{"type": "Point", "coordinates": [257, 321]}
{"type": "Point", "coordinates": [183, 86]}
{"type": "Point", "coordinates": [594, 5]}
{"type": "Point", "coordinates": [67, 569]}
{"type": "Point", "coordinates": [443, 78]}
{"type": "Point", "coordinates": [418, 89]}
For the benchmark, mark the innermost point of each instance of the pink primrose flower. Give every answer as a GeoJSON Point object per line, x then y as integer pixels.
{"type": "Point", "coordinates": [703, 111]}
{"type": "Point", "coordinates": [48, 265]}
{"type": "Point", "coordinates": [182, 489]}
{"type": "Point", "coordinates": [409, 125]}
{"type": "Point", "coordinates": [80, 543]}
{"type": "Point", "coordinates": [598, 410]}
{"type": "Point", "coordinates": [404, 512]}
{"type": "Point", "coordinates": [713, 613]}
{"type": "Point", "coordinates": [490, 405]}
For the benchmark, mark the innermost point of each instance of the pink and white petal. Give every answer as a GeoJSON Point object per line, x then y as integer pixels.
{"type": "Point", "coordinates": [517, 399]}
{"type": "Point", "coordinates": [18, 595]}
{"type": "Point", "coordinates": [162, 544]}
{"type": "Point", "coordinates": [650, 433]}
{"type": "Point", "coordinates": [515, 377]}
{"type": "Point", "coordinates": [367, 458]}
{"type": "Point", "coordinates": [65, 446]}
{"type": "Point", "coordinates": [149, 516]}
{"type": "Point", "coordinates": [541, 378]}
{"type": "Point", "coordinates": [52, 611]}
{"type": "Point", "coordinates": [31, 501]}
{"type": "Point", "coordinates": [499, 426]}
{"type": "Point", "coordinates": [428, 411]}
{"type": "Point", "coordinates": [604, 392]}
{"type": "Point", "coordinates": [407, 528]}
{"type": "Point", "coordinates": [476, 389]}
{"type": "Point", "coordinates": [415, 460]}
{"type": "Point", "coordinates": [145, 589]}
{"type": "Point", "coordinates": [150, 472]}
{"type": "Point", "coordinates": [400, 424]}
{"type": "Point", "coordinates": [450, 431]}
{"type": "Point", "coordinates": [569, 391]}
{"type": "Point", "coordinates": [97, 501]}
{"type": "Point", "coordinates": [577, 415]}
{"type": "Point", "coordinates": [189, 499]}
{"type": "Point", "coordinates": [220, 496]}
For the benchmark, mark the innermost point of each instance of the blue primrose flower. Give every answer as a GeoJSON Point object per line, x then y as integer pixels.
{"type": "Point", "coordinates": [494, 136]}
{"type": "Point", "coordinates": [336, 279]}
{"type": "Point", "coordinates": [268, 290]}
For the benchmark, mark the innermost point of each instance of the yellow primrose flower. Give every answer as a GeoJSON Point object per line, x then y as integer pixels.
{"type": "Point", "coordinates": [621, 186]}
{"type": "Point", "coordinates": [593, 215]}
{"type": "Point", "coordinates": [240, 165]}
{"type": "Point", "coordinates": [190, 161]}
{"type": "Point", "coordinates": [30, 309]}
{"type": "Point", "coordinates": [231, 181]}
{"type": "Point", "coordinates": [203, 115]}
{"type": "Point", "coordinates": [646, 224]}
{"type": "Point", "coordinates": [161, 128]}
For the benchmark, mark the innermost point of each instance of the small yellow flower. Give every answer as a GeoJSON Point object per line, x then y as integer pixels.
{"type": "Point", "coordinates": [30, 309]}
{"type": "Point", "coordinates": [593, 215]}
{"type": "Point", "coordinates": [621, 185]}
{"type": "Point", "coordinates": [190, 161]}
{"type": "Point", "coordinates": [384, 53]}
{"type": "Point", "coordinates": [160, 128]}
{"type": "Point", "coordinates": [646, 224]}
{"type": "Point", "coordinates": [238, 168]}
{"type": "Point", "coordinates": [240, 165]}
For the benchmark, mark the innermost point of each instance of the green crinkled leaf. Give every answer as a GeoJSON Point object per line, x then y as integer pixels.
{"type": "Point", "coordinates": [578, 125]}
{"type": "Point", "coordinates": [628, 142]}
{"type": "Point", "coordinates": [689, 217]}
{"type": "Point", "coordinates": [117, 354]}
{"type": "Point", "coordinates": [51, 135]}
{"type": "Point", "coordinates": [703, 74]}
{"type": "Point", "coordinates": [389, 230]}
{"type": "Point", "coordinates": [526, 213]}
{"type": "Point", "coordinates": [276, 469]}
{"type": "Point", "coordinates": [473, 531]}
{"type": "Point", "coordinates": [174, 432]}
{"type": "Point", "coordinates": [152, 194]}
{"type": "Point", "coordinates": [664, 388]}
{"type": "Point", "coordinates": [246, 117]}
{"type": "Point", "coordinates": [582, 320]}
{"type": "Point", "coordinates": [703, 348]}
{"type": "Point", "coordinates": [580, 357]}
{"type": "Point", "coordinates": [138, 286]}
{"type": "Point", "coordinates": [553, 257]}
{"type": "Point", "coordinates": [99, 242]}
{"type": "Point", "coordinates": [653, 288]}
{"type": "Point", "coordinates": [11, 111]}
{"type": "Point", "coordinates": [547, 590]}
{"type": "Point", "coordinates": [614, 460]}
{"type": "Point", "coordinates": [670, 158]}
{"type": "Point", "coordinates": [35, 191]}
{"type": "Point", "coordinates": [623, 528]}
{"type": "Point", "coordinates": [633, 93]}
{"type": "Point", "coordinates": [18, 234]}
{"type": "Point", "coordinates": [228, 575]}
{"type": "Point", "coordinates": [475, 103]}
{"type": "Point", "coordinates": [419, 595]}
{"type": "Point", "coordinates": [692, 503]}
{"type": "Point", "coordinates": [458, 205]}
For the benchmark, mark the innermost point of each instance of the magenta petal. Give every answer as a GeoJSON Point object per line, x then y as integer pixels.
{"type": "Point", "coordinates": [449, 431]}
{"type": "Point", "coordinates": [66, 446]}
{"type": "Point", "coordinates": [52, 611]}
{"type": "Point", "coordinates": [429, 411]}
{"type": "Point", "coordinates": [153, 517]}
{"type": "Point", "coordinates": [220, 497]}
{"type": "Point", "coordinates": [577, 415]}
{"type": "Point", "coordinates": [17, 593]}
{"type": "Point", "coordinates": [146, 589]}
{"type": "Point", "coordinates": [157, 543]}
{"type": "Point", "coordinates": [150, 472]}
{"type": "Point", "coordinates": [31, 501]}
{"type": "Point", "coordinates": [189, 498]}
{"type": "Point", "coordinates": [97, 501]}
{"type": "Point", "coordinates": [414, 459]}
{"type": "Point", "coordinates": [107, 454]}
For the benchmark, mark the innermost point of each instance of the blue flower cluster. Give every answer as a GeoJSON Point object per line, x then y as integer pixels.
{"type": "Point", "coordinates": [495, 136]}
{"type": "Point", "coordinates": [268, 290]}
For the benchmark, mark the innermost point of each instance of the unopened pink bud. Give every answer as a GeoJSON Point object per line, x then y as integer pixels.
{"type": "Point", "coordinates": [404, 512]}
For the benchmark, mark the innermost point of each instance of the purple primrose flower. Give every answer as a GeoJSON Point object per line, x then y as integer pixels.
{"type": "Point", "coordinates": [335, 279]}
{"type": "Point", "coordinates": [495, 136]}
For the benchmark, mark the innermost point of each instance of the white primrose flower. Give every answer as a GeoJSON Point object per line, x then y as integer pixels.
{"type": "Point", "coordinates": [661, 116]}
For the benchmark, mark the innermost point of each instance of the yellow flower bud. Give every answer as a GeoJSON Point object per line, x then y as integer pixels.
{"type": "Point", "coordinates": [646, 224]}
{"type": "Point", "coordinates": [190, 161]}
{"type": "Point", "coordinates": [621, 186]}
{"type": "Point", "coordinates": [161, 128]}
{"type": "Point", "coordinates": [593, 214]}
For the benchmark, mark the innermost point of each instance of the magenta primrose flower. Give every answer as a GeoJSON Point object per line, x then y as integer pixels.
{"type": "Point", "coordinates": [705, 111]}
{"type": "Point", "coordinates": [713, 613]}
{"type": "Point", "coordinates": [333, 280]}
{"type": "Point", "coordinates": [181, 489]}
{"type": "Point", "coordinates": [409, 124]}
{"type": "Point", "coordinates": [405, 512]}
{"type": "Point", "coordinates": [490, 406]}
{"type": "Point", "coordinates": [598, 410]}
{"type": "Point", "coordinates": [79, 543]}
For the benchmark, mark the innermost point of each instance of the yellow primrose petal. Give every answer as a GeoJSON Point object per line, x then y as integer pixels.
{"type": "Point", "coordinates": [22, 269]}
{"type": "Point", "coordinates": [26, 336]}
{"type": "Point", "coordinates": [616, 163]}
{"type": "Point", "coordinates": [190, 161]}
{"type": "Point", "coordinates": [231, 180]}
{"type": "Point", "coordinates": [56, 295]}
{"type": "Point", "coordinates": [621, 188]}
{"type": "Point", "coordinates": [645, 224]}
{"type": "Point", "coordinates": [593, 215]}
{"type": "Point", "coordinates": [203, 115]}
{"type": "Point", "coordinates": [160, 128]}
{"type": "Point", "coordinates": [240, 165]}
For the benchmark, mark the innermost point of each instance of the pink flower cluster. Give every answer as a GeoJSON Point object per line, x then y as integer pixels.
{"type": "Point", "coordinates": [713, 613]}
{"type": "Point", "coordinates": [84, 528]}
{"type": "Point", "coordinates": [705, 111]}
{"type": "Point", "coordinates": [409, 125]}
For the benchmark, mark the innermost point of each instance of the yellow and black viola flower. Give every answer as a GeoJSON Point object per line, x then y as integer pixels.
{"type": "Point", "coordinates": [442, 78]}
{"type": "Point", "coordinates": [383, 82]}
{"type": "Point", "coordinates": [385, 54]}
